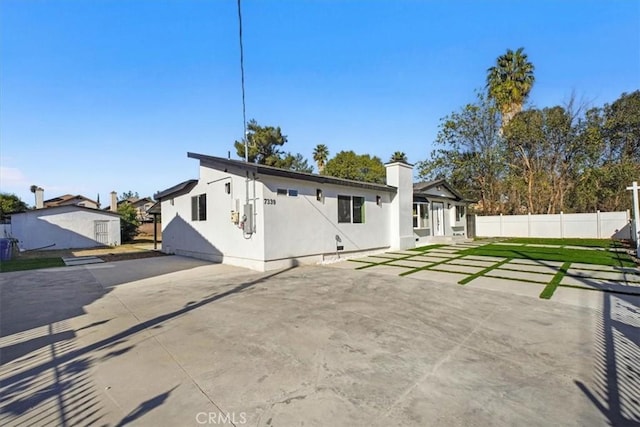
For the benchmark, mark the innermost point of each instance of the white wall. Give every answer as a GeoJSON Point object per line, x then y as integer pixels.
{"type": "Point", "coordinates": [218, 238]}
{"type": "Point", "coordinates": [62, 227]}
{"type": "Point", "coordinates": [288, 229]}
{"type": "Point", "coordinates": [601, 225]}
{"type": "Point", "coordinates": [302, 226]}
{"type": "Point", "coordinates": [400, 227]}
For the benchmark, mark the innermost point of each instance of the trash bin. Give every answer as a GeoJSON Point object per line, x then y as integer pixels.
{"type": "Point", "coordinates": [5, 249]}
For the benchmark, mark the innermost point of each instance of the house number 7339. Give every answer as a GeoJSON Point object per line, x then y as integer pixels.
{"type": "Point", "coordinates": [269, 201]}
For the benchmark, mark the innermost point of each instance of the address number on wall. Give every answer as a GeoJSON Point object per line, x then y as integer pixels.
{"type": "Point", "coordinates": [269, 201]}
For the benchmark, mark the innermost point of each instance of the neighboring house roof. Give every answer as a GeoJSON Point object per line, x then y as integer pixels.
{"type": "Point", "coordinates": [222, 163]}
{"type": "Point", "coordinates": [75, 207]}
{"type": "Point", "coordinates": [155, 209]}
{"type": "Point", "coordinates": [67, 199]}
{"type": "Point", "coordinates": [134, 201]}
{"type": "Point", "coordinates": [183, 187]}
{"type": "Point", "coordinates": [421, 189]}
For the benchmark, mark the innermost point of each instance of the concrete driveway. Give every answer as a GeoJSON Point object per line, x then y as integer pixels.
{"type": "Point", "coordinates": [174, 341]}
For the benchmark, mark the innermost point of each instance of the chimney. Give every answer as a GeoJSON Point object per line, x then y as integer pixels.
{"type": "Point", "coordinates": [114, 202]}
{"type": "Point", "coordinates": [400, 175]}
{"type": "Point", "coordinates": [39, 198]}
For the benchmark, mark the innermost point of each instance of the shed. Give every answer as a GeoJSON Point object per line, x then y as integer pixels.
{"type": "Point", "coordinates": [65, 227]}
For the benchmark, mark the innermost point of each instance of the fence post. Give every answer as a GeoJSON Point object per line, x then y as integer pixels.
{"type": "Point", "coordinates": [501, 235]}
{"type": "Point", "coordinates": [528, 224]}
{"type": "Point", "coordinates": [561, 225]}
{"type": "Point", "coordinates": [598, 225]}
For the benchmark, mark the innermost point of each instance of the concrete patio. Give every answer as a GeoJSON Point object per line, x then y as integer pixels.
{"type": "Point", "coordinates": [175, 341]}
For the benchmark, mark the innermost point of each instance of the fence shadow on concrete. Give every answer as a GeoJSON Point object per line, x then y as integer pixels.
{"type": "Point", "coordinates": [55, 387]}
{"type": "Point", "coordinates": [615, 388]}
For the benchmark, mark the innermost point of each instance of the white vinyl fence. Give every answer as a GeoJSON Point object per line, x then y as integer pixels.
{"type": "Point", "coordinates": [598, 225]}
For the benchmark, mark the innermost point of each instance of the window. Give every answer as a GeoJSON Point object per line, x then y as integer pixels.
{"type": "Point", "coordinates": [284, 192]}
{"type": "Point", "coordinates": [420, 215]}
{"type": "Point", "coordinates": [199, 208]}
{"type": "Point", "coordinates": [459, 212]}
{"type": "Point", "coordinates": [351, 209]}
{"type": "Point", "coordinates": [358, 210]}
{"type": "Point", "coordinates": [344, 208]}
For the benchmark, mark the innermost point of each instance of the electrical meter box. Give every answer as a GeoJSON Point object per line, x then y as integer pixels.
{"type": "Point", "coordinates": [248, 218]}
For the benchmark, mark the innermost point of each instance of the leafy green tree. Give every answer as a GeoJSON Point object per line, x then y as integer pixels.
{"type": "Point", "coordinates": [129, 222]}
{"type": "Point", "coordinates": [472, 154]}
{"type": "Point", "coordinates": [543, 150]}
{"type": "Point", "coordinates": [611, 137]}
{"type": "Point", "coordinates": [363, 167]}
{"type": "Point", "coordinates": [263, 143]}
{"type": "Point", "coordinates": [10, 203]}
{"type": "Point", "coordinates": [509, 83]}
{"type": "Point", "coordinates": [320, 156]}
{"type": "Point", "coordinates": [295, 162]}
{"type": "Point", "coordinates": [398, 156]}
{"type": "Point", "coordinates": [129, 195]}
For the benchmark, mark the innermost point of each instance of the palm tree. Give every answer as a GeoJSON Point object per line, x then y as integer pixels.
{"type": "Point", "coordinates": [398, 156]}
{"type": "Point", "coordinates": [33, 189]}
{"type": "Point", "coordinates": [509, 83]}
{"type": "Point", "coordinates": [320, 155]}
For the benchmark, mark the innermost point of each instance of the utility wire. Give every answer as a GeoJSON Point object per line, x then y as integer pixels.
{"type": "Point", "coordinates": [244, 113]}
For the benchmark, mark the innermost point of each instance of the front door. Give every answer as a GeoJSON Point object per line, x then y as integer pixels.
{"type": "Point", "coordinates": [438, 218]}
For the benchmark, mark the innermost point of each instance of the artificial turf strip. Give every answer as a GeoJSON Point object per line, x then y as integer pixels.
{"type": "Point", "coordinates": [388, 260]}
{"type": "Point", "coordinates": [591, 243]}
{"type": "Point", "coordinates": [428, 267]}
{"type": "Point", "coordinates": [30, 264]}
{"type": "Point", "coordinates": [548, 291]}
{"type": "Point", "coordinates": [483, 272]}
{"type": "Point", "coordinates": [426, 248]}
{"type": "Point", "coordinates": [553, 254]}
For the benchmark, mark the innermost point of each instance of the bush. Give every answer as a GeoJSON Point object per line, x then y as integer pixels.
{"type": "Point", "coordinates": [128, 222]}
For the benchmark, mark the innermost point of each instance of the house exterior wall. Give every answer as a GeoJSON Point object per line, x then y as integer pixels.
{"type": "Point", "coordinates": [62, 227]}
{"type": "Point", "coordinates": [306, 229]}
{"type": "Point", "coordinates": [217, 238]}
{"type": "Point", "coordinates": [288, 229]}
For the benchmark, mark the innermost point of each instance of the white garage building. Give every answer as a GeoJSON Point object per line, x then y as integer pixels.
{"type": "Point", "coordinates": [65, 227]}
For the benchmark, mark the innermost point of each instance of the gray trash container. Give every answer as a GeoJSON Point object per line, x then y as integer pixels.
{"type": "Point", "coordinates": [5, 249]}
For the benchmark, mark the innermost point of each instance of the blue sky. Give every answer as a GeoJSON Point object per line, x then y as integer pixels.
{"type": "Point", "coordinates": [105, 95]}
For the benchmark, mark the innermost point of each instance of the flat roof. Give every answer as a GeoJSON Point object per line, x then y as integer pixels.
{"type": "Point", "coordinates": [220, 163]}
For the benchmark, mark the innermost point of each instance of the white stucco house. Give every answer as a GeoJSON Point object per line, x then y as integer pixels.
{"type": "Point", "coordinates": [439, 212]}
{"type": "Point", "coordinates": [266, 218]}
{"type": "Point", "coordinates": [65, 227]}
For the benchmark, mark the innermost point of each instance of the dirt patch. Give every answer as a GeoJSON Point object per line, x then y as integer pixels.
{"type": "Point", "coordinates": [129, 255]}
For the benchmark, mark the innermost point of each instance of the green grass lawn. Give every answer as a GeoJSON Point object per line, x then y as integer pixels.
{"type": "Point", "coordinates": [426, 248]}
{"type": "Point", "coordinates": [589, 243]}
{"type": "Point", "coordinates": [586, 256]}
{"type": "Point", "coordinates": [30, 264]}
